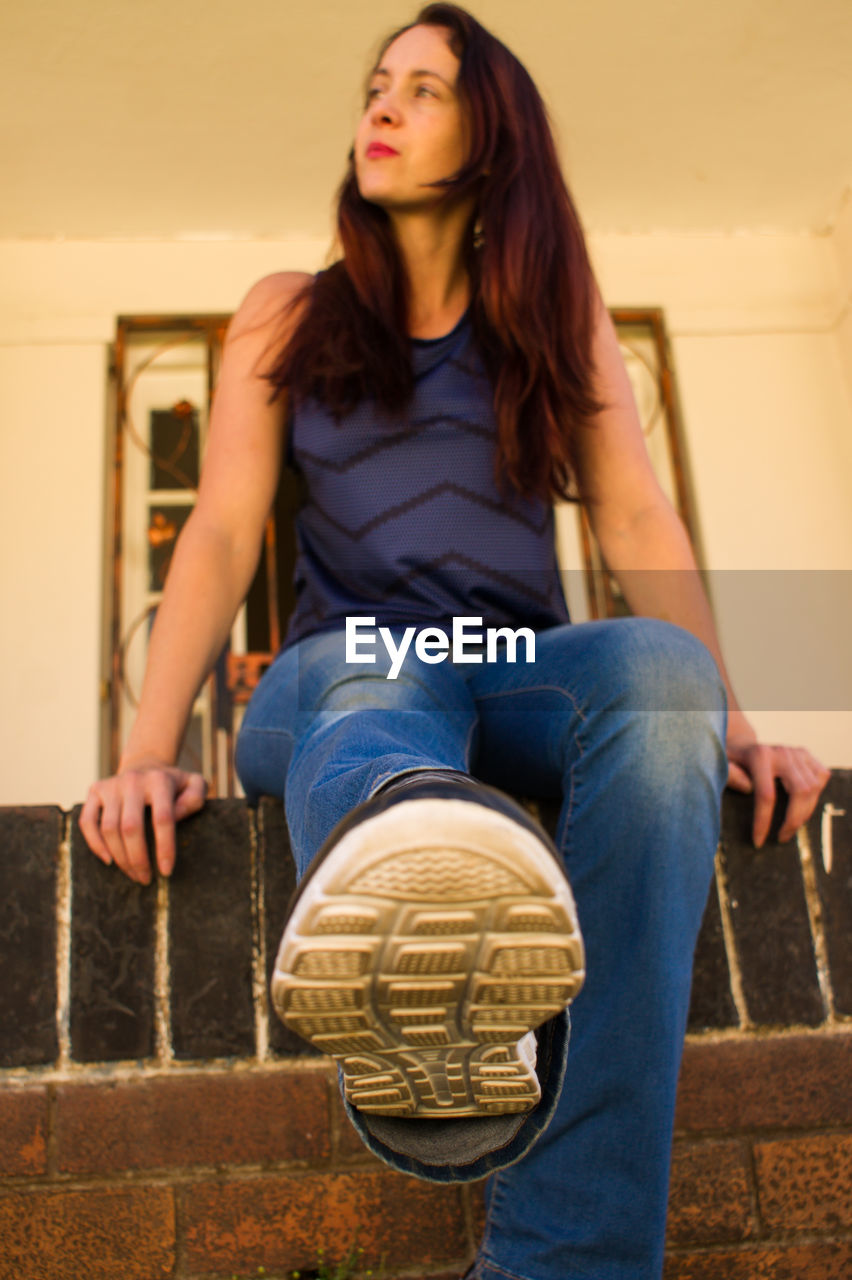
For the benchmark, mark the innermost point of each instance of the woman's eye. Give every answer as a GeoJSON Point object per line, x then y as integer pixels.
{"type": "Point", "coordinates": [423, 90]}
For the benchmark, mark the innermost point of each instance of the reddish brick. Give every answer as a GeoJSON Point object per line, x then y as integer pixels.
{"type": "Point", "coordinates": [204, 1119]}
{"type": "Point", "coordinates": [431, 1275]}
{"type": "Point", "coordinates": [411, 1274]}
{"type": "Point", "coordinates": [280, 1222]}
{"type": "Point", "coordinates": [821, 1260]}
{"type": "Point", "coordinates": [478, 1214]}
{"type": "Point", "coordinates": [23, 1131]}
{"type": "Point", "coordinates": [348, 1141]}
{"type": "Point", "coordinates": [100, 1234]}
{"type": "Point", "coordinates": [806, 1183]}
{"type": "Point", "coordinates": [709, 1196]}
{"type": "Point", "coordinates": [797, 1081]}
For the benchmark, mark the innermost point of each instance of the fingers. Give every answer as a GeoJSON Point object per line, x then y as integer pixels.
{"type": "Point", "coordinates": [161, 796]}
{"type": "Point", "coordinates": [123, 827]}
{"type": "Point", "coordinates": [113, 817]}
{"type": "Point", "coordinates": [803, 779]}
{"type": "Point", "coordinates": [738, 779]}
{"type": "Point", "coordinates": [132, 827]}
{"type": "Point", "coordinates": [763, 777]}
{"type": "Point", "coordinates": [191, 796]}
{"type": "Point", "coordinates": [90, 826]}
{"type": "Point", "coordinates": [801, 775]}
{"type": "Point", "coordinates": [113, 823]}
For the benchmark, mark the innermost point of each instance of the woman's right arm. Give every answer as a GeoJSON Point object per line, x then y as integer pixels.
{"type": "Point", "coordinates": [212, 568]}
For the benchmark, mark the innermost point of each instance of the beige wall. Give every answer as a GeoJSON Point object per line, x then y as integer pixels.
{"type": "Point", "coordinates": [762, 348]}
{"type": "Point", "coordinates": [761, 338]}
{"type": "Point", "coordinates": [842, 244]}
{"type": "Point", "coordinates": [52, 431]}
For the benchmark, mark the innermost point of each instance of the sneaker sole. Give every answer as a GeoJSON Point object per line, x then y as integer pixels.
{"type": "Point", "coordinates": [428, 943]}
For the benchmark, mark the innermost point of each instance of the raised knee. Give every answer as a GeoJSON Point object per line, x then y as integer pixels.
{"type": "Point", "coordinates": [657, 666]}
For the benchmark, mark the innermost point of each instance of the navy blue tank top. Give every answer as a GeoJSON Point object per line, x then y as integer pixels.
{"type": "Point", "coordinates": [402, 519]}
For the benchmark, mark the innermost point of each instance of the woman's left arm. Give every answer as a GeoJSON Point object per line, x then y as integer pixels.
{"type": "Point", "coordinates": [645, 545]}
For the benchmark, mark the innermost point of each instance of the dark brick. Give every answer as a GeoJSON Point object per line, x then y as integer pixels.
{"type": "Point", "coordinates": [256, 1118]}
{"type": "Point", "coordinates": [29, 840]}
{"type": "Point", "coordinates": [210, 935]}
{"type": "Point", "coordinates": [805, 1184]}
{"type": "Point", "coordinates": [822, 1260]}
{"type": "Point", "coordinates": [279, 874]}
{"type": "Point", "coordinates": [710, 1193]}
{"type": "Point", "coordinates": [23, 1131]}
{"type": "Point", "coordinates": [738, 815]}
{"type": "Point", "coordinates": [96, 1234]}
{"type": "Point", "coordinates": [784, 1082]}
{"type": "Point", "coordinates": [770, 923]}
{"type": "Point", "coordinates": [834, 885]}
{"type": "Point", "coordinates": [711, 1005]}
{"type": "Point", "coordinates": [280, 1222]}
{"type": "Point", "coordinates": [112, 959]}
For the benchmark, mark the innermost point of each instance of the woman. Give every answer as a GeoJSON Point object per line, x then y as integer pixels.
{"type": "Point", "coordinates": [455, 372]}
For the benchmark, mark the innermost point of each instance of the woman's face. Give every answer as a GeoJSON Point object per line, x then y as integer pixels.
{"type": "Point", "coordinates": [413, 130]}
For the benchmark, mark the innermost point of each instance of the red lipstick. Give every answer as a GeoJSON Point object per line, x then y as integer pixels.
{"type": "Point", "coordinates": [377, 149]}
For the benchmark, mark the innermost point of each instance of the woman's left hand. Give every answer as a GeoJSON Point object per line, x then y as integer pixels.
{"type": "Point", "coordinates": [753, 766]}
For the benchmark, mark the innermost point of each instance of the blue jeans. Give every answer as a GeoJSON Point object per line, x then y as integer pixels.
{"type": "Point", "coordinates": [624, 721]}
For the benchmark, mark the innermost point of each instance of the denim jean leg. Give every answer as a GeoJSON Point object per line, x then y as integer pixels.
{"type": "Point", "coordinates": [327, 734]}
{"type": "Point", "coordinates": [627, 718]}
{"type": "Point", "coordinates": [347, 729]}
{"type": "Point", "coordinates": [626, 721]}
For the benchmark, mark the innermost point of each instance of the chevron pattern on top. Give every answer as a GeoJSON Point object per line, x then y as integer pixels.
{"type": "Point", "coordinates": [390, 441]}
{"type": "Point", "coordinates": [425, 498]}
{"type": "Point", "coordinates": [403, 516]}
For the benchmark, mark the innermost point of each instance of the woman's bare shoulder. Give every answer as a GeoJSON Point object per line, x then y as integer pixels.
{"type": "Point", "coordinates": [265, 304]}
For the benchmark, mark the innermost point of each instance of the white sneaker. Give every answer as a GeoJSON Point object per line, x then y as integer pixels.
{"type": "Point", "coordinates": [435, 931]}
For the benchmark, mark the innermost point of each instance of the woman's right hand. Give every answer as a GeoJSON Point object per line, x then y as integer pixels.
{"type": "Point", "coordinates": [113, 817]}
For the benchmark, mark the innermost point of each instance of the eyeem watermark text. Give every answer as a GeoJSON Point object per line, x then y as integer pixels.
{"type": "Point", "coordinates": [433, 644]}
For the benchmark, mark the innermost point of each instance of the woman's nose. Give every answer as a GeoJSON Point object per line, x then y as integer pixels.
{"type": "Point", "coordinates": [385, 110]}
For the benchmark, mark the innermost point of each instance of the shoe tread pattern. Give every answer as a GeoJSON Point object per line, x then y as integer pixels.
{"type": "Point", "coordinates": [465, 953]}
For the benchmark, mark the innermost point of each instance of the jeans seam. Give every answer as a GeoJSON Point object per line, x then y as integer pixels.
{"type": "Point", "coordinates": [570, 787]}
{"type": "Point", "coordinates": [494, 1266]}
{"type": "Point", "coordinates": [533, 688]}
{"type": "Point", "coordinates": [376, 678]}
{"type": "Point", "coordinates": [562, 836]}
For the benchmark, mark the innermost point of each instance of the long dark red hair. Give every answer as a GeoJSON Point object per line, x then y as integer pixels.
{"type": "Point", "coordinates": [533, 293]}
